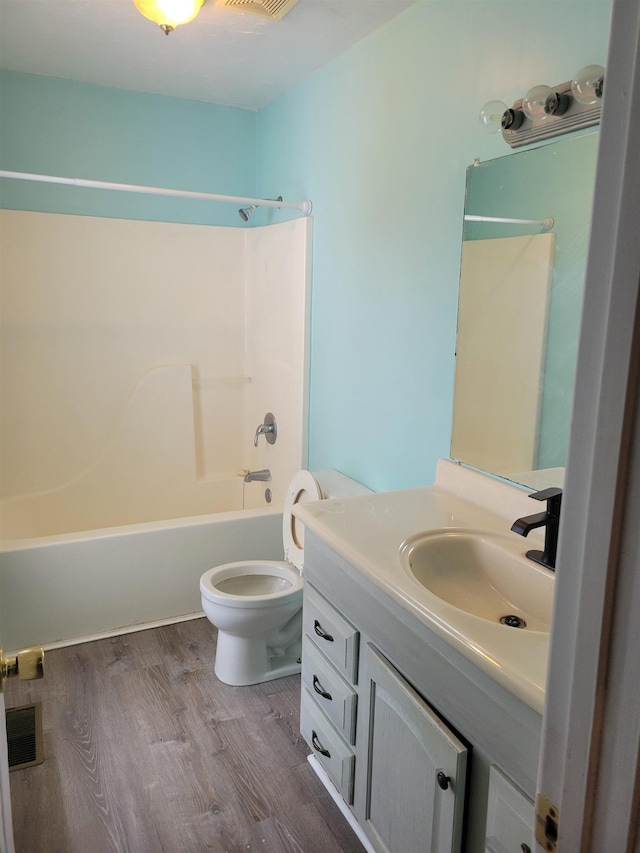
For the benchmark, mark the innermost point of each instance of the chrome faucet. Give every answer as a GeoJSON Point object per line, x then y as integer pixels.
{"type": "Point", "coordinates": [262, 476]}
{"type": "Point", "coordinates": [550, 520]}
{"type": "Point", "coordinates": [269, 429]}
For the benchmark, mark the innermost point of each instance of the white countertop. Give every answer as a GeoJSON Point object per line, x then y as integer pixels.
{"type": "Point", "coordinates": [367, 531]}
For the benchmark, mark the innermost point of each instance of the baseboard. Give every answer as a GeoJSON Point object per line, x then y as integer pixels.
{"type": "Point", "coordinates": [117, 632]}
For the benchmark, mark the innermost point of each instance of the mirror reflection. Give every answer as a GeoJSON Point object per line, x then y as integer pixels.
{"type": "Point", "coordinates": [520, 303]}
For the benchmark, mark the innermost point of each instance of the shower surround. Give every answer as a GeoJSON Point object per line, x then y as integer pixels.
{"type": "Point", "coordinates": [137, 360]}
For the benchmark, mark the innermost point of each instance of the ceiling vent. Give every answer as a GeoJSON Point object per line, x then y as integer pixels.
{"type": "Point", "coordinates": [275, 9]}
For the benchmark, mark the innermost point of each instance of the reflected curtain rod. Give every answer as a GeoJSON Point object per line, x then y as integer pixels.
{"type": "Point", "coordinates": [304, 207]}
{"type": "Point", "coordinates": [547, 223]}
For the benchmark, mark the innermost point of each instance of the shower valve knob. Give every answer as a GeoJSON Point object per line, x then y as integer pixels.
{"type": "Point", "coordinates": [269, 429]}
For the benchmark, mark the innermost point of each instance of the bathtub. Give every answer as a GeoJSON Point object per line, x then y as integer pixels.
{"type": "Point", "coordinates": [66, 588]}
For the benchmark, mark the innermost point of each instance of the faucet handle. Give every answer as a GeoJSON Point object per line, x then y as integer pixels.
{"type": "Point", "coordinates": [552, 495]}
{"type": "Point", "coordinates": [269, 429]}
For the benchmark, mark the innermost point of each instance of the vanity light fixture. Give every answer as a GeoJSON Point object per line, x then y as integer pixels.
{"type": "Point", "coordinates": [169, 14]}
{"type": "Point", "coordinates": [547, 111]}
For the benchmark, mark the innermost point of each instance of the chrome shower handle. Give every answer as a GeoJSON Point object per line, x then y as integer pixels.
{"type": "Point", "coordinates": [269, 429]}
{"type": "Point", "coordinates": [263, 429]}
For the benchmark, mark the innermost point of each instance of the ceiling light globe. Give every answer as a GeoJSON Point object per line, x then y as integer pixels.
{"type": "Point", "coordinates": [169, 14]}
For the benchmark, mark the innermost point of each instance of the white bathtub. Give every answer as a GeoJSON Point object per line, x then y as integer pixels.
{"type": "Point", "coordinates": [56, 590]}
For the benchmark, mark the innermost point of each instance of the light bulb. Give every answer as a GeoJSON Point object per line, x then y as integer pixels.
{"type": "Point", "coordinates": [491, 116]}
{"type": "Point", "coordinates": [533, 103]}
{"type": "Point", "coordinates": [169, 14]}
{"type": "Point", "coordinates": [588, 84]}
{"type": "Point", "coordinates": [541, 102]}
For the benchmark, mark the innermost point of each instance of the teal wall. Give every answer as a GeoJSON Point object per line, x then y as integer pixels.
{"type": "Point", "coordinates": [75, 130]}
{"type": "Point", "coordinates": [379, 139]}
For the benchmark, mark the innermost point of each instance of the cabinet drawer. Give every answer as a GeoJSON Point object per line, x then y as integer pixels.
{"type": "Point", "coordinates": [333, 635]}
{"type": "Point", "coordinates": [329, 690]}
{"type": "Point", "coordinates": [510, 816]}
{"type": "Point", "coordinates": [328, 747]}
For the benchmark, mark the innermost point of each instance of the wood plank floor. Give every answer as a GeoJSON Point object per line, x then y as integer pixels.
{"type": "Point", "coordinates": [147, 752]}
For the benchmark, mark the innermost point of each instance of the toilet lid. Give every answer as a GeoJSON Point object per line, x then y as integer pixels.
{"type": "Point", "coordinates": [302, 489]}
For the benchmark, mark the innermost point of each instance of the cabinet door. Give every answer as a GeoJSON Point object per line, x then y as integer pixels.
{"type": "Point", "coordinates": [410, 768]}
{"type": "Point", "coordinates": [510, 817]}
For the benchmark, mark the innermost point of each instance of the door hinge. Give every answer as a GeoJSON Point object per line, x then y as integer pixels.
{"type": "Point", "coordinates": [547, 820]}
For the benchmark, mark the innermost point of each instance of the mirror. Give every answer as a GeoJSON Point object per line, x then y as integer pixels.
{"type": "Point", "coordinates": [519, 310]}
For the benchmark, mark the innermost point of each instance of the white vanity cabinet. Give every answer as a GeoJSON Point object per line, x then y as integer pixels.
{"type": "Point", "coordinates": [419, 743]}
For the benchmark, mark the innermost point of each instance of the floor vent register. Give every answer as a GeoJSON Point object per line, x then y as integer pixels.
{"type": "Point", "coordinates": [24, 736]}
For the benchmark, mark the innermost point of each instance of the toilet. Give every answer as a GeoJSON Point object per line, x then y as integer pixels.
{"type": "Point", "coordinates": [256, 605]}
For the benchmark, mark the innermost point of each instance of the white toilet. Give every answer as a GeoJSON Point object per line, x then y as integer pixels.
{"type": "Point", "coordinates": [256, 605]}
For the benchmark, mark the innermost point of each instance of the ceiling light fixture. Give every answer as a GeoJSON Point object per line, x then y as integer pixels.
{"type": "Point", "coordinates": [169, 14]}
{"type": "Point", "coordinates": [548, 111]}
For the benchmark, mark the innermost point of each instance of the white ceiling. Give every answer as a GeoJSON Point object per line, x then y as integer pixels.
{"type": "Point", "coordinates": [223, 56]}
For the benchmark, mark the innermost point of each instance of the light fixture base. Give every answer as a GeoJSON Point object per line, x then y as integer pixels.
{"type": "Point", "coordinates": [576, 117]}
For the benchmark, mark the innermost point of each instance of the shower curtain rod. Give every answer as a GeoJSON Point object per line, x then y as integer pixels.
{"type": "Point", "coordinates": [303, 206]}
{"type": "Point", "coordinates": [547, 223]}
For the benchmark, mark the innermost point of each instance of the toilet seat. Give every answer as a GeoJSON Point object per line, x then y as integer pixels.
{"type": "Point", "coordinates": [302, 489]}
{"type": "Point", "coordinates": [231, 584]}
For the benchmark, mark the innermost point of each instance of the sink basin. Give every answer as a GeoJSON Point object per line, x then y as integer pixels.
{"type": "Point", "coordinates": [482, 574]}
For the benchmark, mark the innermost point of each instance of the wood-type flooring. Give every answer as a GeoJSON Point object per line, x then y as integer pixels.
{"type": "Point", "coordinates": [147, 752]}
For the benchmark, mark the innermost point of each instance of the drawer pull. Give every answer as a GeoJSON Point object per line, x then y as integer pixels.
{"type": "Point", "coordinates": [320, 690]}
{"type": "Point", "coordinates": [317, 627]}
{"type": "Point", "coordinates": [318, 746]}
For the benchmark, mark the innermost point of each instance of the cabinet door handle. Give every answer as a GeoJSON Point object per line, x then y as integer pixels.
{"type": "Point", "coordinates": [525, 848]}
{"type": "Point", "coordinates": [317, 627]}
{"type": "Point", "coordinates": [318, 746]}
{"type": "Point", "coordinates": [320, 690]}
{"type": "Point", "coordinates": [443, 780]}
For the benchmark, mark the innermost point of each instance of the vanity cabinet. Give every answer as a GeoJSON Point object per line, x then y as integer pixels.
{"type": "Point", "coordinates": [421, 746]}
{"type": "Point", "coordinates": [405, 753]}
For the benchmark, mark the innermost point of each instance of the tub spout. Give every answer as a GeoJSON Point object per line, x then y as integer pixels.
{"type": "Point", "coordinates": [262, 476]}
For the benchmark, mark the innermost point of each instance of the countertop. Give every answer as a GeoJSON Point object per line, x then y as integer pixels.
{"type": "Point", "coordinates": [368, 532]}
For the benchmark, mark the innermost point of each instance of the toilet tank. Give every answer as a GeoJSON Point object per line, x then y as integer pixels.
{"type": "Point", "coordinates": [334, 484]}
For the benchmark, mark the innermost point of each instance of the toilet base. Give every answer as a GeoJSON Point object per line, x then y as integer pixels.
{"type": "Point", "coordinates": [241, 661]}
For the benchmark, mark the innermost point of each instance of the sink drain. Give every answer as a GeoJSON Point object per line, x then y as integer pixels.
{"type": "Point", "coordinates": [513, 621]}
